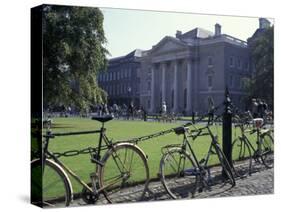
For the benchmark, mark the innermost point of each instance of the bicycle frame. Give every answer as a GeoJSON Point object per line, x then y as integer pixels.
{"type": "Point", "coordinates": [245, 138]}
{"type": "Point", "coordinates": [95, 159]}
{"type": "Point", "coordinates": [212, 145]}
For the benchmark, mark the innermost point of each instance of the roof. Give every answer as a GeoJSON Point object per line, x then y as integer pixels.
{"type": "Point", "coordinates": [132, 55]}
{"type": "Point", "coordinates": [197, 33]}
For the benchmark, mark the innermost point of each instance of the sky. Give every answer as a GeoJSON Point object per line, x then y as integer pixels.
{"type": "Point", "coordinates": [127, 30]}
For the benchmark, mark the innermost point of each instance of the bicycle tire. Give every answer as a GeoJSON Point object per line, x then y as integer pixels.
{"type": "Point", "coordinates": [267, 150]}
{"type": "Point", "coordinates": [134, 183]}
{"type": "Point", "coordinates": [60, 194]}
{"type": "Point", "coordinates": [241, 157]}
{"type": "Point", "coordinates": [182, 183]}
{"type": "Point", "coordinates": [227, 170]}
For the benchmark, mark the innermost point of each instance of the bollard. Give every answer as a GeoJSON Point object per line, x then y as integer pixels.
{"type": "Point", "coordinates": [227, 128]}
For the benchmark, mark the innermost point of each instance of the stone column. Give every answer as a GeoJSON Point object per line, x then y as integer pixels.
{"type": "Point", "coordinates": [152, 103]}
{"type": "Point", "coordinates": [188, 86]}
{"type": "Point", "coordinates": [175, 86]}
{"type": "Point", "coordinates": [163, 82]}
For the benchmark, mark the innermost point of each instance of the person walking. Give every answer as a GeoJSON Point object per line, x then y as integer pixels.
{"type": "Point", "coordinates": [260, 108]}
{"type": "Point", "coordinates": [254, 108]}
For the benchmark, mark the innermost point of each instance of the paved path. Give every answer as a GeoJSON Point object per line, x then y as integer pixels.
{"type": "Point", "coordinates": [260, 182]}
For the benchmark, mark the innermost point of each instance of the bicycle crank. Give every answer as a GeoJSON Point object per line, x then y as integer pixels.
{"type": "Point", "coordinates": [88, 196]}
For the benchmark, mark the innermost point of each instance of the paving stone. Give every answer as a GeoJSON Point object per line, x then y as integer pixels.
{"type": "Point", "coordinates": [261, 181]}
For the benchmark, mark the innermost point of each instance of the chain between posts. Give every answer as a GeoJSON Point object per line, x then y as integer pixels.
{"type": "Point", "coordinates": [154, 135]}
{"type": "Point", "coordinates": [91, 150]}
{"type": "Point", "coordinates": [70, 153]}
{"type": "Point", "coordinates": [147, 137]}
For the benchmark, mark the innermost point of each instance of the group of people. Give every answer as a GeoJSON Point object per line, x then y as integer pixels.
{"type": "Point", "coordinates": [259, 108]}
{"type": "Point", "coordinates": [127, 111]}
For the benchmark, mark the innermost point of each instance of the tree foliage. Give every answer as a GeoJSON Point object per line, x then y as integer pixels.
{"type": "Point", "coordinates": [73, 53]}
{"type": "Point", "coordinates": [262, 53]}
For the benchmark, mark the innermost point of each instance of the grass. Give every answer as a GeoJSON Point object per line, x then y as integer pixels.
{"type": "Point", "coordinates": [119, 130]}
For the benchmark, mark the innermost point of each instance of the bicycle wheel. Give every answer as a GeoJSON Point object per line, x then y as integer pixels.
{"type": "Point", "coordinates": [52, 188]}
{"type": "Point", "coordinates": [178, 174]}
{"type": "Point", "coordinates": [227, 170]}
{"type": "Point", "coordinates": [267, 150]}
{"type": "Point", "coordinates": [124, 176]}
{"type": "Point", "coordinates": [241, 157]}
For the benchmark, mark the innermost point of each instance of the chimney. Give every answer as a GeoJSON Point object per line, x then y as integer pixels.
{"type": "Point", "coordinates": [217, 29]}
{"type": "Point", "coordinates": [264, 23]}
{"type": "Point", "coordinates": [178, 34]}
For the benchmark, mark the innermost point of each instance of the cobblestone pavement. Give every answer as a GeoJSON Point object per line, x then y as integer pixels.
{"type": "Point", "coordinates": [261, 181]}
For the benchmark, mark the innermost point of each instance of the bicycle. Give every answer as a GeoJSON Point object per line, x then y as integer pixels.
{"type": "Point", "coordinates": [180, 169]}
{"type": "Point", "coordinates": [243, 151]}
{"type": "Point", "coordinates": [123, 165]}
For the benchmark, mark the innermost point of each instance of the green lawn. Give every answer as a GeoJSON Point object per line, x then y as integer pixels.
{"type": "Point", "coordinates": [118, 130]}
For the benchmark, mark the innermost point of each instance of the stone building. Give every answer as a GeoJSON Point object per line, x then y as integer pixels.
{"type": "Point", "coordinates": [121, 80]}
{"type": "Point", "coordinates": [186, 69]}
{"type": "Point", "coordinates": [183, 71]}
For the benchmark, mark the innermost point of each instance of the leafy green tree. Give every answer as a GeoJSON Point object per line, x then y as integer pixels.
{"type": "Point", "coordinates": [73, 53]}
{"type": "Point", "coordinates": [262, 53]}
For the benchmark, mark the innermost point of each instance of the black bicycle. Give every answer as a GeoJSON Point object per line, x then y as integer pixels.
{"type": "Point", "coordinates": [180, 170]}
{"type": "Point", "coordinates": [123, 165]}
{"type": "Point", "coordinates": [244, 151]}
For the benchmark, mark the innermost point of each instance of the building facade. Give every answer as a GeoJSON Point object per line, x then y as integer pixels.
{"type": "Point", "coordinates": [121, 80]}
{"type": "Point", "coordinates": [183, 71]}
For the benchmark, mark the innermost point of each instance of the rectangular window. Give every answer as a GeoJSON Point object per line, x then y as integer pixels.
{"type": "Point", "coordinates": [148, 85]}
{"type": "Point", "coordinates": [210, 61]}
{"type": "Point", "coordinates": [239, 63]}
{"type": "Point", "coordinates": [231, 80]}
{"type": "Point", "coordinates": [129, 73]}
{"type": "Point", "coordinates": [246, 66]}
{"type": "Point", "coordinates": [231, 61]}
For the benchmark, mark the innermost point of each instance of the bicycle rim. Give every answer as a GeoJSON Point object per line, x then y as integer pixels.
{"type": "Point", "coordinates": [178, 174]}
{"type": "Point", "coordinates": [124, 176]}
{"type": "Point", "coordinates": [267, 150]}
{"type": "Point", "coordinates": [50, 189]}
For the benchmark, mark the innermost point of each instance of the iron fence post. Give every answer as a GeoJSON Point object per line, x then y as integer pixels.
{"type": "Point", "coordinates": [227, 127]}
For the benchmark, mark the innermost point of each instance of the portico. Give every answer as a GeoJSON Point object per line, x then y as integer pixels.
{"type": "Point", "coordinates": [171, 81]}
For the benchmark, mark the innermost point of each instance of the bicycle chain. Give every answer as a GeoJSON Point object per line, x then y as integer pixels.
{"type": "Point", "coordinates": [70, 153]}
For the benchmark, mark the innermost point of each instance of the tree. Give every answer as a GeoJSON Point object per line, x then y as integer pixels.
{"type": "Point", "coordinates": [73, 55]}
{"type": "Point", "coordinates": [262, 54]}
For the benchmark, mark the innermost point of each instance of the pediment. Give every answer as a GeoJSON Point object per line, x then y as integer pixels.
{"type": "Point", "coordinates": [167, 45]}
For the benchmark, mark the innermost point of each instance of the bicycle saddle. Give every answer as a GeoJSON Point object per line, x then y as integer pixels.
{"type": "Point", "coordinates": [103, 118]}
{"type": "Point", "coordinates": [180, 130]}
